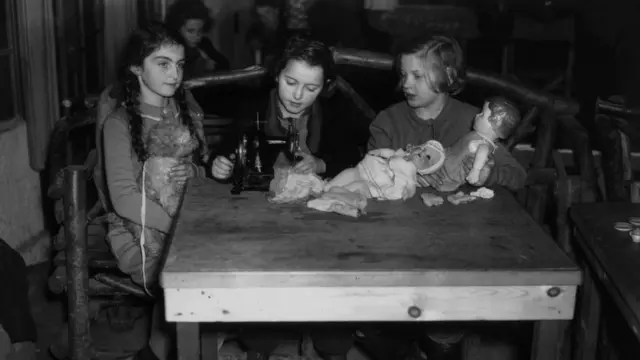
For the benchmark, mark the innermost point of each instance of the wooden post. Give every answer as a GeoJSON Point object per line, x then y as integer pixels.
{"type": "Point", "coordinates": [77, 262]}
{"type": "Point", "coordinates": [537, 197]}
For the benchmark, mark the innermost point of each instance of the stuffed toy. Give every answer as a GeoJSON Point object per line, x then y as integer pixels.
{"type": "Point", "coordinates": [167, 145]}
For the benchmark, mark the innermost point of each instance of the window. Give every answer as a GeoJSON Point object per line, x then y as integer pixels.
{"type": "Point", "coordinates": [10, 83]}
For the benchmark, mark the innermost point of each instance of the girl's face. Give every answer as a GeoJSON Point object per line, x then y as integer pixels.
{"type": "Point", "coordinates": [415, 83]}
{"type": "Point", "coordinates": [160, 74]}
{"type": "Point", "coordinates": [192, 32]}
{"type": "Point", "coordinates": [299, 85]}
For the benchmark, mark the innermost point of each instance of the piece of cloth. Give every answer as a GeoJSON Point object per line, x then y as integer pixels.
{"type": "Point", "coordinates": [288, 186]}
{"type": "Point", "coordinates": [341, 201]}
{"type": "Point", "coordinates": [399, 126]}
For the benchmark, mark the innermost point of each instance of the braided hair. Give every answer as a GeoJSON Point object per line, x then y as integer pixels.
{"type": "Point", "coordinates": [141, 44]}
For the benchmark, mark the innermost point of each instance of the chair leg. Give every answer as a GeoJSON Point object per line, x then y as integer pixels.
{"type": "Point", "coordinates": [77, 263]}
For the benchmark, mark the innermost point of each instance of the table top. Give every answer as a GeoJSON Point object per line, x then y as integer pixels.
{"type": "Point", "coordinates": [224, 240]}
{"type": "Point", "coordinates": [612, 250]}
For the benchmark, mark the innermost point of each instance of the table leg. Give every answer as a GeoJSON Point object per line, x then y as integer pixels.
{"type": "Point", "coordinates": [588, 319]}
{"type": "Point", "coordinates": [550, 340]}
{"type": "Point", "coordinates": [209, 343]}
{"type": "Point", "coordinates": [188, 335]}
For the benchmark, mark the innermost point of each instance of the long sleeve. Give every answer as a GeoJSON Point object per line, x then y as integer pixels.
{"type": "Point", "coordinates": [222, 63]}
{"type": "Point", "coordinates": [379, 136]}
{"type": "Point", "coordinates": [507, 171]}
{"type": "Point", "coordinates": [121, 180]}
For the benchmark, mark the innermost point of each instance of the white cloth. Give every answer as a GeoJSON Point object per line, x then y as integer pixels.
{"type": "Point", "coordinates": [289, 186]}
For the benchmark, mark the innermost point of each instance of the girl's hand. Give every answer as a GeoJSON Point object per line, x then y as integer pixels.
{"type": "Point", "coordinates": [222, 167]}
{"type": "Point", "coordinates": [309, 164]}
{"type": "Point", "coordinates": [180, 173]}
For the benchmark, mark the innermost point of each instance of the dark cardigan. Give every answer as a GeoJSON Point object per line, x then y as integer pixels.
{"type": "Point", "coordinates": [336, 130]}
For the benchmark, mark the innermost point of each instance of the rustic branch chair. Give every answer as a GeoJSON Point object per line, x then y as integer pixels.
{"type": "Point", "coordinates": [84, 267]}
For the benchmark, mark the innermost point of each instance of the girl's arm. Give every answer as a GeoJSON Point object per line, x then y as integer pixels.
{"type": "Point", "coordinates": [507, 171]}
{"type": "Point", "coordinates": [379, 137]}
{"type": "Point", "coordinates": [121, 180]}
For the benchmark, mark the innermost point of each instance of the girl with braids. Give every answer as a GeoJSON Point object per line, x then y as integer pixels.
{"type": "Point", "coordinates": [154, 116]}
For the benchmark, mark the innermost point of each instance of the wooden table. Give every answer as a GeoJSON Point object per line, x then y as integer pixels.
{"type": "Point", "coordinates": [611, 266]}
{"type": "Point", "coordinates": [242, 259]}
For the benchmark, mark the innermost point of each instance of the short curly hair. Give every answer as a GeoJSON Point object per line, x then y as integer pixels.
{"type": "Point", "coordinates": [505, 116]}
{"type": "Point", "coordinates": [183, 10]}
{"type": "Point", "coordinates": [442, 58]}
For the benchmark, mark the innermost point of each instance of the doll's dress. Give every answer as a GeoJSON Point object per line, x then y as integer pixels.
{"type": "Point", "coordinates": [453, 170]}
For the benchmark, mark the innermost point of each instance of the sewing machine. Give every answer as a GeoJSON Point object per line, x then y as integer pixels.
{"type": "Point", "coordinates": [256, 156]}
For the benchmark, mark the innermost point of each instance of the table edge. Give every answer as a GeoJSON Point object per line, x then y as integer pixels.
{"type": "Point", "coordinates": [239, 279]}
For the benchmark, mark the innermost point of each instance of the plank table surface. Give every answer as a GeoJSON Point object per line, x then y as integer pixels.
{"type": "Point", "coordinates": [611, 254]}
{"type": "Point", "coordinates": [240, 258]}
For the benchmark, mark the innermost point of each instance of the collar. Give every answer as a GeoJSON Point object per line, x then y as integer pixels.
{"type": "Point", "coordinates": [280, 115]}
{"type": "Point", "coordinates": [158, 113]}
{"type": "Point", "coordinates": [439, 118]}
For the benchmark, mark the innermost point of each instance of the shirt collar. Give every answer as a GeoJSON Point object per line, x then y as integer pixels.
{"type": "Point", "coordinates": [158, 113]}
{"type": "Point", "coordinates": [441, 116]}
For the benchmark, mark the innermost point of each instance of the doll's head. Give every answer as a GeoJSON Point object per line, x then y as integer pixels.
{"type": "Point", "coordinates": [498, 119]}
{"type": "Point", "coordinates": [170, 140]}
{"type": "Point", "coordinates": [427, 157]}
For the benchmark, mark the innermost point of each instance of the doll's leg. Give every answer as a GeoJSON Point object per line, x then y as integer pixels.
{"type": "Point", "coordinates": [345, 178]}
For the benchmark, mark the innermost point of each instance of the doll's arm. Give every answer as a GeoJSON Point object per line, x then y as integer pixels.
{"type": "Point", "coordinates": [479, 161]}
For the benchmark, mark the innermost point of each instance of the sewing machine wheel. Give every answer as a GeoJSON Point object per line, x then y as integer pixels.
{"type": "Point", "coordinates": [241, 153]}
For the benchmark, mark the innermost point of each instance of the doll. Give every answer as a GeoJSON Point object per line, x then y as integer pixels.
{"type": "Point", "coordinates": [167, 145]}
{"type": "Point", "coordinates": [495, 122]}
{"type": "Point", "coordinates": [388, 174]}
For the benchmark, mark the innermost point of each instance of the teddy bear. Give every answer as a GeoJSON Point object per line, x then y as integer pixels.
{"type": "Point", "coordinates": [167, 145]}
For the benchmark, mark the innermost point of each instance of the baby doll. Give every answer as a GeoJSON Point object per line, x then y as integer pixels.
{"type": "Point", "coordinates": [495, 122]}
{"type": "Point", "coordinates": [167, 145]}
{"type": "Point", "coordinates": [388, 174]}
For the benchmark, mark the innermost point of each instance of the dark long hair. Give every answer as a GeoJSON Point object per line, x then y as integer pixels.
{"type": "Point", "coordinates": [142, 43]}
{"type": "Point", "coordinates": [183, 10]}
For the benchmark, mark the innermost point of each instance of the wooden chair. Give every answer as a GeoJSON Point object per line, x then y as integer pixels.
{"type": "Point", "coordinates": [84, 267]}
